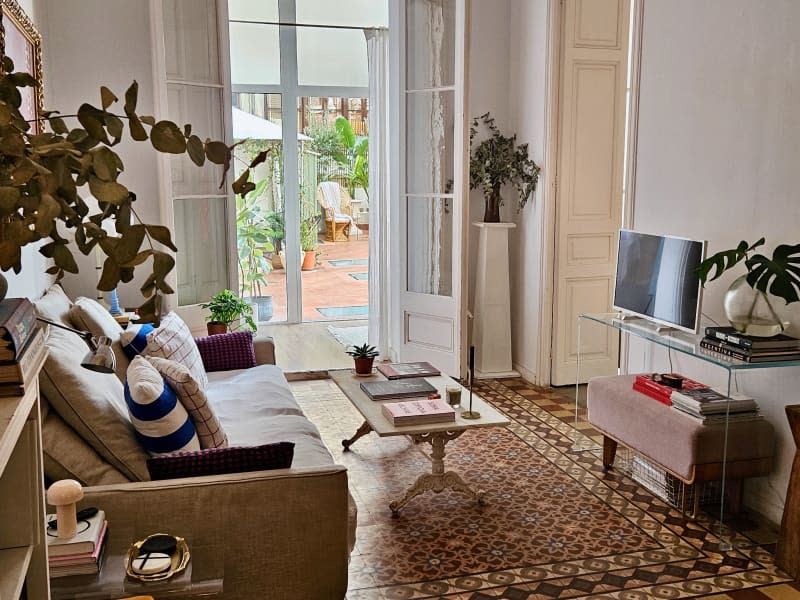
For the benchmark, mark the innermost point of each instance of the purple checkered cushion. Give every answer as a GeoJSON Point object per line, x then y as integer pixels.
{"type": "Point", "coordinates": [227, 351]}
{"type": "Point", "coordinates": [218, 461]}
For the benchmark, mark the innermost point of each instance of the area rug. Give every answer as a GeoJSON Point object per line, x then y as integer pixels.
{"type": "Point", "coordinates": [556, 526]}
{"type": "Point", "coordinates": [349, 336]}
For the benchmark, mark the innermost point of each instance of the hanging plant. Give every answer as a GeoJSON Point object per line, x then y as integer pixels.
{"type": "Point", "coordinates": [42, 179]}
{"type": "Point", "coordinates": [497, 161]}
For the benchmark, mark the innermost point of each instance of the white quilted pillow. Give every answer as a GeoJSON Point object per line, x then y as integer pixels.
{"type": "Point", "coordinates": [173, 340]}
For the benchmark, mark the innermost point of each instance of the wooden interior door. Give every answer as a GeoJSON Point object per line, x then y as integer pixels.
{"type": "Point", "coordinates": [590, 175]}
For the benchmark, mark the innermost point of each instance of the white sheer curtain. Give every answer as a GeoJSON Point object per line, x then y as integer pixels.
{"type": "Point", "coordinates": [378, 61]}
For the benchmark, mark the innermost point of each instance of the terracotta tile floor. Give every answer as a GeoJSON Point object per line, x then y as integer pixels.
{"type": "Point", "coordinates": [556, 526]}
{"type": "Point", "coordinates": [326, 285]}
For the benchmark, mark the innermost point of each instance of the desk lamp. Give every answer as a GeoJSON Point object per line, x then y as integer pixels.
{"type": "Point", "coordinates": [100, 357]}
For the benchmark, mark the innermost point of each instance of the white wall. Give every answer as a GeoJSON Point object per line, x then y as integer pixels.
{"type": "Point", "coordinates": [718, 155]}
{"type": "Point", "coordinates": [89, 43]}
{"type": "Point", "coordinates": [488, 92]}
{"type": "Point", "coordinates": [527, 84]}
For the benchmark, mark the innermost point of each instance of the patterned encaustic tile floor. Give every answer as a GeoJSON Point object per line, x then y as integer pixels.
{"type": "Point", "coordinates": [554, 526]}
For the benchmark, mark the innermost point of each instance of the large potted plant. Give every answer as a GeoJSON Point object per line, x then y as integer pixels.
{"type": "Point", "coordinates": [756, 302]}
{"type": "Point", "coordinates": [254, 251]}
{"type": "Point", "coordinates": [277, 228]}
{"type": "Point", "coordinates": [309, 238]}
{"type": "Point", "coordinates": [496, 161]}
{"type": "Point", "coordinates": [226, 308]}
{"type": "Point", "coordinates": [44, 172]}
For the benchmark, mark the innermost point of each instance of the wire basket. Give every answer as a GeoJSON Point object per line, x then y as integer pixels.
{"type": "Point", "coordinates": [663, 484]}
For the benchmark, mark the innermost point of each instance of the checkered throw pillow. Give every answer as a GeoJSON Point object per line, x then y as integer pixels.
{"type": "Point", "coordinates": [194, 400]}
{"type": "Point", "coordinates": [173, 341]}
{"type": "Point", "coordinates": [218, 461]}
{"type": "Point", "coordinates": [227, 351]}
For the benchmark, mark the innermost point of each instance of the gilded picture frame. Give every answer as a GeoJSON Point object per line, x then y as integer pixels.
{"type": "Point", "coordinates": [21, 41]}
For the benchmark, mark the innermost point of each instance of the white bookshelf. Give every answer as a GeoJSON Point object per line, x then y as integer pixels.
{"type": "Point", "coordinates": [23, 552]}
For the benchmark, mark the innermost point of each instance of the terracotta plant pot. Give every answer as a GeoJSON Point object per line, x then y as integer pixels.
{"type": "Point", "coordinates": [309, 260]}
{"type": "Point", "coordinates": [363, 365]}
{"type": "Point", "coordinates": [216, 328]}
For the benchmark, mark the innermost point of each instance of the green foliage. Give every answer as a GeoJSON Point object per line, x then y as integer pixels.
{"type": "Point", "coordinates": [226, 307]}
{"type": "Point", "coordinates": [497, 161]}
{"type": "Point", "coordinates": [779, 275]}
{"type": "Point", "coordinates": [324, 139]}
{"type": "Point", "coordinates": [277, 227]}
{"type": "Point", "coordinates": [41, 176]}
{"type": "Point", "coordinates": [309, 234]}
{"type": "Point", "coordinates": [253, 241]}
{"type": "Point", "coordinates": [363, 351]}
{"type": "Point", "coordinates": [353, 155]}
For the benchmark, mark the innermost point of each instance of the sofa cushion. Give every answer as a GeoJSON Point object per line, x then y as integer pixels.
{"type": "Point", "coordinates": [227, 351]}
{"type": "Point", "coordinates": [173, 340]}
{"type": "Point", "coordinates": [91, 403]}
{"type": "Point", "coordinates": [54, 305]}
{"type": "Point", "coordinates": [220, 461]}
{"type": "Point", "coordinates": [67, 456]}
{"type": "Point", "coordinates": [194, 400]}
{"type": "Point", "coordinates": [161, 422]}
{"type": "Point", "coordinates": [134, 339]}
{"type": "Point", "coordinates": [89, 315]}
{"type": "Point", "coordinates": [262, 390]}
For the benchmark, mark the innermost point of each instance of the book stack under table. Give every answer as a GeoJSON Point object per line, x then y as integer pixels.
{"type": "Point", "coordinates": [79, 555]}
{"type": "Point", "coordinates": [728, 341]}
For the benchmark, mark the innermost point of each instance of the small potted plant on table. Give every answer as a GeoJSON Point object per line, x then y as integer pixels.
{"type": "Point", "coordinates": [363, 357]}
{"type": "Point", "coordinates": [226, 308]}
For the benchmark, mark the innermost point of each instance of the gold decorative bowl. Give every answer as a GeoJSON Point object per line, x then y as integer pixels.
{"type": "Point", "coordinates": [180, 558]}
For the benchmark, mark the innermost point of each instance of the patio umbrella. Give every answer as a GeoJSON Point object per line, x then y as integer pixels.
{"type": "Point", "coordinates": [247, 126]}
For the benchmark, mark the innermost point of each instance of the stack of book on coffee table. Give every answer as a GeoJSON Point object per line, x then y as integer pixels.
{"type": "Point", "coordinates": [79, 555]}
{"type": "Point", "coordinates": [710, 406]}
{"type": "Point", "coordinates": [728, 341]}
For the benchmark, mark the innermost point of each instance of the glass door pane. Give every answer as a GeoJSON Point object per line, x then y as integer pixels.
{"type": "Point", "coordinates": [260, 222]}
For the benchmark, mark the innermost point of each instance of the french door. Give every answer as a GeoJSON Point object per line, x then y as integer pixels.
{"type": "Point", "coordinates": [429, 155]}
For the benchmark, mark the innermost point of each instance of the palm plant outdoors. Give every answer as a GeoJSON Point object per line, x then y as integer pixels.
{"type": "Point", "coordinates": [352, 155]}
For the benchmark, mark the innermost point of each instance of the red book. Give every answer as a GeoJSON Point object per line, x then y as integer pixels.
{"type": "Point", "coordinates": [403, 370]}
{"type": "Point", "coordinates": [661, 392]}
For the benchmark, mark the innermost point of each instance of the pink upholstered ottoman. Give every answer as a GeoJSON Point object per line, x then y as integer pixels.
{"type": "Point", "coordinates": [680, 444]}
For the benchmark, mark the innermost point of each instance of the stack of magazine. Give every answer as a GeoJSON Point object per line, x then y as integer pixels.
{"type": "Point", "coordinates": [79, 555]}
{"type": "Point", "coordinates": [728, 341]}
{"type": "Point", "coordinates": [710, 406]}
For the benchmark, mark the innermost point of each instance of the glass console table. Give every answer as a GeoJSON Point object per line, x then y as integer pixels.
{"type": "Point", "coordinates": [681, 342]}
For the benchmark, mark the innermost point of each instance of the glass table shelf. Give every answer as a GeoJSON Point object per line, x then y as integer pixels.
{"type": "Point", "coordinates": [683, 343]}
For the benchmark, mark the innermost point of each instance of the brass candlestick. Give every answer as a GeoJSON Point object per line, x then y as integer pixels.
{"type": "Point", "coordinates": [471, 414]}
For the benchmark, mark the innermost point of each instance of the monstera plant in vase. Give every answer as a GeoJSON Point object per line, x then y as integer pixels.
{"type": "Point", "coordinates": [758, 302]}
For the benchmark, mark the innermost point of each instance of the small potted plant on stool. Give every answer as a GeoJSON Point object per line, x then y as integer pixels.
{"type": "Point", "coordinates": [363, 357]}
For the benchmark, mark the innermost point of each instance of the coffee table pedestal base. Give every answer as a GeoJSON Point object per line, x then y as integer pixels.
{"type": "Point", "coordinates": [438, 479]}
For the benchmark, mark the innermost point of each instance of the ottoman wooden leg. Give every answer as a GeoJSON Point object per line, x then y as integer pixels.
{"type": "Point", "coordinates": [609, 452]}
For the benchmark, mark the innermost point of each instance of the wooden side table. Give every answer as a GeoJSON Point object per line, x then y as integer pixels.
{"type": "Point", "coordinates": [787, 556]}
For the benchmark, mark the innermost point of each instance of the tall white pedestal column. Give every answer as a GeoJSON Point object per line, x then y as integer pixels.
{"type": "Point", "coordinates": [491, 327]}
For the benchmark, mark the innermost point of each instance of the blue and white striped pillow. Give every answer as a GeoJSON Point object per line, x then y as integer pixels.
{"type": "Point", "coordinates": [161, 422]}
{"type": "Point", "coordinates": [134, 339]}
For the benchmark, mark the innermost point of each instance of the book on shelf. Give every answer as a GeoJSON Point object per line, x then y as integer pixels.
{"type": "Point", "coordinates": [409, 369]}
{"type": "Point", "coordinates": [397, 388]}
{"type": "Point", "coordinates": [86, 563]}
{"type": "Point", "coordinates": [419, 412]}
{"type": "Point", "coordinates": [755, 356]}
{"type": "Point", "coordinates": [90, 534]}
{"type": "Point", "coordinates": [645, 384]}
{"type": "Point", "coordinates": [749, 342]}
{"type": "Point", "coordinates": [21, 371]}
{"type": "Point", "coordinates": [17, 324]}
{"type": "Point", "coordinates": [716, 418]}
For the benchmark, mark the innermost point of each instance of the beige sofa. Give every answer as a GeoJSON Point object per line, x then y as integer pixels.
{"type": "Point", "coordinates": [283, 533]}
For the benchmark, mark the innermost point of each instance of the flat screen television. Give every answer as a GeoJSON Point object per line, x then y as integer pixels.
{"type": "Point", "coordinates": [656, 278]}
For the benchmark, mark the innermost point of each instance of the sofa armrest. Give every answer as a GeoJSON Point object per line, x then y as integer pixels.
{"type": "Point", "coordinates": [272, 529]}
{"type": "Point", "coordinates": [265, 350]}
